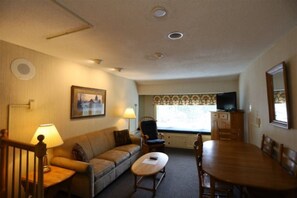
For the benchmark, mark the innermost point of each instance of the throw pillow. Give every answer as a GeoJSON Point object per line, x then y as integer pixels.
{"type": "Point", "coordinates": [79, 153]}
{"type": "Point", "coordinates": [122, 137]}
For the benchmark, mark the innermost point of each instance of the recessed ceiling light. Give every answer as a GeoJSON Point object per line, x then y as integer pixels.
{"type": "Point", "coordinates": [175, 35]}
{"type": "Point", "coordinates": [159, 12]}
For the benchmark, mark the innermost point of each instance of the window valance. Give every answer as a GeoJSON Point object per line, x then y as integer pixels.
{"type": "Point", "coordinates": [279, 97]}
{"type": "Point", "coordinates": [186, 99]}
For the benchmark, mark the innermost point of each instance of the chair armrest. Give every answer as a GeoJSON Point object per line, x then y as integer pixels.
{"type": "Point", "coordinates": [145, 137]}
{"type": "Point", "coordinates": [161, 135]}
{"type": "Point", "coordinates": [77, 166]}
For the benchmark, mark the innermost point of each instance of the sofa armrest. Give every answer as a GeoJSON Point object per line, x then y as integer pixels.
{"type": "Point", "coordinates": [77, 166]}
{"type": "Point", "coordinates": [135, 139]}
{"type": "Point", "coordinates": [83, 182]}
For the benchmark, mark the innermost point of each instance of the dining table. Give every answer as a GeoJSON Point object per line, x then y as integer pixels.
{"type": "Point", "coordinates": [244, 164]}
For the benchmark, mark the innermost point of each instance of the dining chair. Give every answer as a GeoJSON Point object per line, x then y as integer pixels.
{"type": "Point", "coordinates": [152, 140]}
{"type": "Point", "coordinates": [288, 160]}
{"type": "Point", "coordinates": [270, 147]}
{"type": "Point", "coordinates": [222, 189]}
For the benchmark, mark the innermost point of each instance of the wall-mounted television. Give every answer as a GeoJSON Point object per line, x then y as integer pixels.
{"type": "Point", "coordinates": [227, 101]}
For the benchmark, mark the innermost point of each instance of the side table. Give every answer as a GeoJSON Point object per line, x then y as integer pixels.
{"type": "Point", "coordinates": [52, 181]}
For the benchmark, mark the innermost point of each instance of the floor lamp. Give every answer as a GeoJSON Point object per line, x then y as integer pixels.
{"type": "Point", "coordinates": [129, 114]}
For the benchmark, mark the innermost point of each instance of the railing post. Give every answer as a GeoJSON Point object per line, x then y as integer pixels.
{"type": "Point", "coordinates": [3, 148]}
{"type": "Point", "coordinates": [40, 151]}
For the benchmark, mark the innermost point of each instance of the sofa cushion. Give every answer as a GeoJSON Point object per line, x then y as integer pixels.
{"type": "Point", "coordinates": [85, 144]}
{"type": "Point", "coordinates": [114, 155]}
{"type": "Point", "coordinates": [122, 137]}
{"type": "Point", "coordinates": [101, 141]}
{"type": "Point", "coordinates": [65, 150]}
{"type": "Point", "coordinates": [79, 153]}
{"type": "Point", "coordinates": [130, 148]}
{"type": "Point", "coordinates": [101, 167]}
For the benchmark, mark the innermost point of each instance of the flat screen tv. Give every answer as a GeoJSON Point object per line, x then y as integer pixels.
{"type": "Point", "coordinates": [226, 101]}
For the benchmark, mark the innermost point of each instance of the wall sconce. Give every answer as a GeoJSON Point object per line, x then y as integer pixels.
{"type": "Point", "coordinates": [129, 114]}
{"type": "Point", "coordinates": [52, 139]}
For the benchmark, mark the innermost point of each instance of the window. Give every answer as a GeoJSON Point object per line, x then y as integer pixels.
{"type": "Point", "coordinates": [185, 117]}
{"type": "Point", "coordinates": [185, 112]}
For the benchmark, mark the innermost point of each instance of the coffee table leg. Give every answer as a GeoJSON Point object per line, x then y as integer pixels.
{"type": "Point", "coordinates": [154, 186]}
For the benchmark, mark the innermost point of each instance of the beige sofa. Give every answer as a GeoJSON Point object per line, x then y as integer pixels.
{"type": "Point", "coordinates": [102, 162]}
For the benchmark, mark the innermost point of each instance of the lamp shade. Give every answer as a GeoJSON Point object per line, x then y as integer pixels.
{"type": "Point", "coordinates": [51, 135]}
{"type": "Point", "coordinates": [129, 113]}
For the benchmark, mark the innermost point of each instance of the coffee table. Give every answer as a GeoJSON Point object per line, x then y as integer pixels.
{"type": "Point", "coordinates": [147, 167]}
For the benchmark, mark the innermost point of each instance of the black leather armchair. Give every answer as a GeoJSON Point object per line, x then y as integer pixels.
{"type": "Point", "coordinates": [152, 140]}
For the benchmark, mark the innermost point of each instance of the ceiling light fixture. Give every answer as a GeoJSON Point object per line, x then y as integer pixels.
{"type": "Point", "coordinates": [175, 35]}
{"type": "Point", "coordinates": [159, 55]}
{"type": "Point", "coordinates": [119, 69]}
{"type": "Point", "coordinates": [159, 12]}
{"type": "Point", "coordinates": [97, 61]}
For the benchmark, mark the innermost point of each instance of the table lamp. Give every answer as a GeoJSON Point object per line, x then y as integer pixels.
{"type": "Point", "coordinates": [52, 139]}
{"type": "Point", "coordinates": [130, 114]}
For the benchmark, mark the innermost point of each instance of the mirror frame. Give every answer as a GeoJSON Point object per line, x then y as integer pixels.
{"type": "Point", "coordinates": [269, 81]}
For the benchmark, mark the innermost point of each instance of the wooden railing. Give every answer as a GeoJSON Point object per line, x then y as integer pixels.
{"type": "Point", "coordinates": [16, 162]}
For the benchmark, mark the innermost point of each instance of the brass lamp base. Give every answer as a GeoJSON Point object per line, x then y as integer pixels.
{"type": "Point", "coordinates": [46, 169]}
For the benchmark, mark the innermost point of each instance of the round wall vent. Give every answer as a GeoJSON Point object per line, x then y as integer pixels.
{"type": "Point", "coordinates": [23, 69]}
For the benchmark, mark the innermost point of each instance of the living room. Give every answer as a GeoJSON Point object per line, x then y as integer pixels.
{"type": "Point", "coordinates": [50, 90]}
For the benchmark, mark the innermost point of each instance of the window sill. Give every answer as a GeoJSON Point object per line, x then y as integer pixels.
{"type": "Point", "coordinates": [185, 131]}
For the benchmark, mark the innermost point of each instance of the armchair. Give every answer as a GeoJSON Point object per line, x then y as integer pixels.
{"type": "Point", "coordinates": [149, 133]}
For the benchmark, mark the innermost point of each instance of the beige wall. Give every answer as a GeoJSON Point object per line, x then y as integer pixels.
{"type": "Point", "coordinates": [50, 89]}
{"type": "Point", "coordinates": [252, 85]}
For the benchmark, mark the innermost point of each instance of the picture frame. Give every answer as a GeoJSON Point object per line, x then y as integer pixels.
{"type": "Point", "coordinates": [87, 102]}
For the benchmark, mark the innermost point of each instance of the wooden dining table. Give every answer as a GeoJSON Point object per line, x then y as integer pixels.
{"type": "Point", "coordinates": [244, 164]}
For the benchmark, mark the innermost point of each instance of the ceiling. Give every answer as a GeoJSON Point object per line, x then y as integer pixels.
{"type": "Point", "coordinates": [221, 37]}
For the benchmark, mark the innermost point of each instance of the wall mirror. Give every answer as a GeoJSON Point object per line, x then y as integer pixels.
{"type": "Point", "coordinates": [277, 93]}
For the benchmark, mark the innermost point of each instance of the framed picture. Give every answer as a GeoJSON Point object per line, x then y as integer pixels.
{"type": "Point", "coordinates": [87, 102]}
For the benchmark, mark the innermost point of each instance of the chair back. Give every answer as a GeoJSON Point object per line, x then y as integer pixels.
{"type": "Point", "coordinates": [288, 160]}
{"type": "Point", "coordinates": [267, 145]}
{"type": "Point", "coordinates": [198, 149]}
{"type": "Point", "coordinates": [270, 147]}
{"type": "Point", "coordinates": [148, 126]}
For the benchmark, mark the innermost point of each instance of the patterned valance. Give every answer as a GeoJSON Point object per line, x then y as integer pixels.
{"type": "Point", "coordinates": [279, 97]}
{"type": "Point", "coordinates": [187, 99]}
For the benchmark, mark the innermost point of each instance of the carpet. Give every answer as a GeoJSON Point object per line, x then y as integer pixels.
{"type": "Point", "coordinates": [181, 179]}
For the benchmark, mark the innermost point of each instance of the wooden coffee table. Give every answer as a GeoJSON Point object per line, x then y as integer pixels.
{"type": "Point", "coordinates": [146, 167]}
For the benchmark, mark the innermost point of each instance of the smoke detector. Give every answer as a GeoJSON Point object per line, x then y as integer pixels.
{"type": "Point", "coordinates": [159, 12]}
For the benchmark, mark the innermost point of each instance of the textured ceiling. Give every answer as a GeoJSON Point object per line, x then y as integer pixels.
{"type": "Point", "coordinates": [221, 37]}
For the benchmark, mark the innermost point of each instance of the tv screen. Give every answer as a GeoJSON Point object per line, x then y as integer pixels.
{"type": "Point", "coordinates": [227, 101]}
